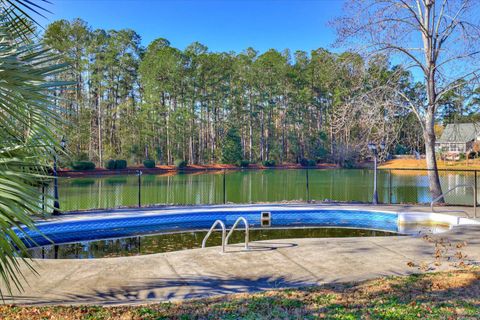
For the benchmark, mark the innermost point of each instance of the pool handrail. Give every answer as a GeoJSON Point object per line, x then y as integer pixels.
{"type": "Point", "coordinates": [455, 187]}
{"type": "Point", "coordinates": [224, 232]}
{"type": "Point", "coordinates": [247, 231]}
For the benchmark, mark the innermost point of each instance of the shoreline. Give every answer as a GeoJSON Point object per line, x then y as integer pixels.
{"type": "Point", "coordinates": [396, 164]}
{"type": "Point", "coordinates": [163, 169]}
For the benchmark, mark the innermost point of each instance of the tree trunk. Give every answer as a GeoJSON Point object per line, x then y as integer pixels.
{"type": "Point", "coordinates": [262, 136]}
{"type": "Point", "coordinates": [192, 132]}
{"type": "Point", "coordinates": [433, 178]}
{"type": "Point", "coordinates": [429, 130]}
{"type": "Point", "coordinates": [250, 131]}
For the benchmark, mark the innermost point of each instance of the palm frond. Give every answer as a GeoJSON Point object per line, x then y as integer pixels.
{"type": "Point", "coordinates": [27, 135]}
{"type": "Point", "coordinates": [18, 16]}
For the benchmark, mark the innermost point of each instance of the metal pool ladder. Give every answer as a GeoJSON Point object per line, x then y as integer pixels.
{"type": "Point", "coordinates": [450, 190]}
{"type": "Point", "coordinates": [224, 232]}
{"type": "Point", "coordinates": [247, 231]}
{"type": "Point", "coordinates": [225, 237]}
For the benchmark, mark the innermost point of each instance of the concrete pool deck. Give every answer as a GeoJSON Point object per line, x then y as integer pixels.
{"type": "Point", "coordinates": [270, 264]}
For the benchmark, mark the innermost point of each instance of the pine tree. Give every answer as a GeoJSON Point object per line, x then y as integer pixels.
{"type": "Point", "coordinates": [232, 147]}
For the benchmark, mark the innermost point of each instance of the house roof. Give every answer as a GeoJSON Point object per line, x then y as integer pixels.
{"type": "Point", "coordinates": [460, 132]}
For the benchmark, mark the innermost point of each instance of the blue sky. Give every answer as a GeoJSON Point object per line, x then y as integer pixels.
{"type": "Point", "coordinates": [221, 25]}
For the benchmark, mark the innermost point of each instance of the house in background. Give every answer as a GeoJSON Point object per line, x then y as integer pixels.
{"type": "Point", "coordinates": [458, 138]}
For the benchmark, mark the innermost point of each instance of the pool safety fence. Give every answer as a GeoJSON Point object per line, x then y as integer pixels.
{"type": "Point", "coordinates": [312, 185]}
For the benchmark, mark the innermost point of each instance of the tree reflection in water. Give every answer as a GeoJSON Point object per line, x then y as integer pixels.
{"type": "Point", "coordinates": [150, 244]}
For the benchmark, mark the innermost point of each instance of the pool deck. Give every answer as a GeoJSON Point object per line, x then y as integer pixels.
{"type": "Point", "coordinates": [268, 265]}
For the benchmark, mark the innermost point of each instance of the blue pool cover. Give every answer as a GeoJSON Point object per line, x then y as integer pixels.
{"type": "Point", "coordinates": [103, 228]}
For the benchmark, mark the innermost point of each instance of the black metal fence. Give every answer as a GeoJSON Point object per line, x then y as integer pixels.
{"type": "Point", "coordinates": [395, 186]}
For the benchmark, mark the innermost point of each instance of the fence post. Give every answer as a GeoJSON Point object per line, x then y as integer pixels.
{"type": "Point", "coordinates": [308, 187]}
{"type": "Point", "coordinates": [139, 174]}
{"type": "Point", "coordinates": [224, 188]}
{"type": "Point", "coordinates": [390, 186]}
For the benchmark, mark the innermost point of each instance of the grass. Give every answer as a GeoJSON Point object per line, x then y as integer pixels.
{"type": "Point", "coordinates": [472, 164]}
{"type": "Point", "coordinates": [443, 295]}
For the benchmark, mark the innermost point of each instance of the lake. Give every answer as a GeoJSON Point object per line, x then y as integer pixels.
{"type": "Point", "coordinates": [254, 186]}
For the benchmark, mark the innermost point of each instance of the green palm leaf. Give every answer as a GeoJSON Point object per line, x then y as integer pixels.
{"type": "Point", "coordinates": [27, 132]}
{"type": "Point", "coordinates": [16, 13]}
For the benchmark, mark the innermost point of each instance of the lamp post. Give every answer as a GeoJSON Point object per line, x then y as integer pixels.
{"type": "Point", "coordinates": [373, 147]}
{"type": "Point", "coordinates": [56, 203]}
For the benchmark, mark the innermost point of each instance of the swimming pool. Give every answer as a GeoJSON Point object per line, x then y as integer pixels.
{"type": "Point", "coordinates": [135, 222]}
{"type": "Point", "coordinates": [168, 242]}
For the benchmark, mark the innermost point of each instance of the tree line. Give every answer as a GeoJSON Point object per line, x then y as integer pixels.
{"type": "Point", "coordinates": [167, 104]}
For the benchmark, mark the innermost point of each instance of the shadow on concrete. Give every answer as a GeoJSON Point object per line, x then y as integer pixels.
{"type": "Point", "coordinates": [259, 246]}
{"type": "Point", "coordinates": [415, 289]}
{"type": "Point", "coordinates": [167, 289]}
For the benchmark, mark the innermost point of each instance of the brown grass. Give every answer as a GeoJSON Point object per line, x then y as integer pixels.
{"type": "Point", "coordinates": [472, 164]}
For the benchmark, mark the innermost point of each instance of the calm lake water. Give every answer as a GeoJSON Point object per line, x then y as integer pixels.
{"type": "Point", "coordinates": [251, 186]}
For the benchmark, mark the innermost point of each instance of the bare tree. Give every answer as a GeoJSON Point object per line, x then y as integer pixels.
{"type": "Point", "coordinates": [437, 39]}
{"type": "Point", "coordinates": [371, 116]}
